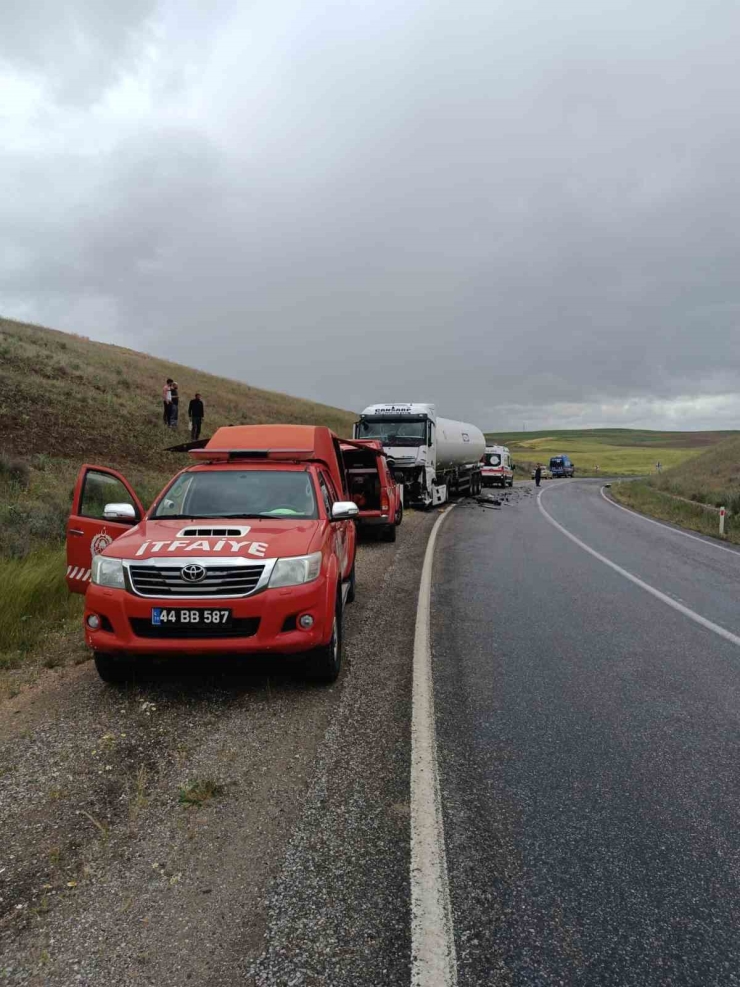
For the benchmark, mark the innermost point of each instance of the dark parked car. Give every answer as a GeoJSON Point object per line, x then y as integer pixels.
{"type": "Point", "coordinates": [561, 466]}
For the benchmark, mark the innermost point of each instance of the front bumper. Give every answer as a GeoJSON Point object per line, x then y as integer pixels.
{"type": "Point", "coordinates": [276, 633]}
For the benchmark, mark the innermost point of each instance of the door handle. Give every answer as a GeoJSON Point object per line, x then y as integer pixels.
{"type": "Point", "coordinates": [76, 531]}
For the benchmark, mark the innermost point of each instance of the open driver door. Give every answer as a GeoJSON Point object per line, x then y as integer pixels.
{"type": "Point", "coordinates": [89, 530]}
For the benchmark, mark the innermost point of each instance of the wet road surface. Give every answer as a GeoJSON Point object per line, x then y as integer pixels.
{"type": "Point", "coordinates": [589, 745]}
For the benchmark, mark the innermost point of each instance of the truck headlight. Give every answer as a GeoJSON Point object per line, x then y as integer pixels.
{"type": "Point", "coordinates": [107, 572]}
{"type": "Point", "coordinates": [293, 572]}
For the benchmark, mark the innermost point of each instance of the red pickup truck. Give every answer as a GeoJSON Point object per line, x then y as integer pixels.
{"type": "Point", "coordinates": [248, 550]}
{"type": "Point", "coordinates": [372, 486]}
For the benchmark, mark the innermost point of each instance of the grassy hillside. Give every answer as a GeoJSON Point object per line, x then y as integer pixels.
{"type": "Point", "coordinates": [711, 479]}
{"type": "Point", "coordinates": [68, 396]}
{"type": "Point", "coordinates": [65, 400]}
{"type": "Point", "coordinates": [616, 451]}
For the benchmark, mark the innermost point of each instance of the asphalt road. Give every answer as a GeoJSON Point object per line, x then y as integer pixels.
{"type": "Point", "coordinates": [589, 747]}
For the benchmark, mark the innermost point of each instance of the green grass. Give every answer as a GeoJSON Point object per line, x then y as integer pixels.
{"type": "Point", "coordinates": [617, 452]}
{"type": "Point", "coordinates": [33, 601]}
{"type": "Point", "coordinates": [642, 496]}
{"type": "Point", "coordinates": [712, 478]}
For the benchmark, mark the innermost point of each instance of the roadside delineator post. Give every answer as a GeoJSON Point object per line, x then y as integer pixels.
{"type": "Point", "coordinates": [722, 520]}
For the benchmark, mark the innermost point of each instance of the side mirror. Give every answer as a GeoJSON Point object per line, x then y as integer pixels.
{"type": "Point", "coordinates": [119, 512]}
{"type": "Point", "coordinates": [343, 510]}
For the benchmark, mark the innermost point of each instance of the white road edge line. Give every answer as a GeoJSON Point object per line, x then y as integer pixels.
{"type": "Point", "coordinates": [661, 524]}
{"type": "Point", "coordinates": [691, 614]}
{"type": "Point", "coordinates": [433, 958]}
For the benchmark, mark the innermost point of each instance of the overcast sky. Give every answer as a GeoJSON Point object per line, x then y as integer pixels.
{"type": "Point", "coordinates": [526, 212]}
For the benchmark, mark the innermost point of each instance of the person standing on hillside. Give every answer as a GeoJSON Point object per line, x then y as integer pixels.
{"type": "Point", "coordinates": [537, 474]}
{"type": "Point", "coordinates": [196, 414]}
{"type": "Point", "coordinates": [174, 404]}
{"type": "Point", "coordinates": [167, 400]}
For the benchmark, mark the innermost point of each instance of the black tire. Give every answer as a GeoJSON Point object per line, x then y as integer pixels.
{"type": "Point", "coordinates": [389, 532]}
{"type": "Point", "coordinates": [325, 663]}
{"type": "Point", "coordinates": [114, 670]}
{"type": "Point", "coordinates": [351, 590]}
{"type": "Point", "coordinates": [399, 515]}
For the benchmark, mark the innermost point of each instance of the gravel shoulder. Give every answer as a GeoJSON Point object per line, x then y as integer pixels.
{"type": "Point", "coordinates": [109, 875]}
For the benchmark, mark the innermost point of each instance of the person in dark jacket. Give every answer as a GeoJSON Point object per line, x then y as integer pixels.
{"type": "Point", "coordinates": [537, 475]}
{"type": "Point", "coordinates": [196, 414]}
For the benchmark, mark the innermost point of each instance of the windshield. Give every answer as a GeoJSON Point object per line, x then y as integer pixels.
{"type": "Point", "coordinates": [399, 433]}
{"type": "Point", "coordinates": [234, 494]}
{"type": "Point", "coordinates": [493, 459]}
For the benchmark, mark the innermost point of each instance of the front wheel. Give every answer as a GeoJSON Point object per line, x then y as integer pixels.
{"type": "Point", "coordinates": [324, 664]}
{"type": "Point", "coordinates": [113, 670]}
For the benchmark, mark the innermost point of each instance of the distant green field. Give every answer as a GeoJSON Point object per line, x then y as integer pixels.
{"type": "Point", "coordinates": [711, 479]}
{"type": "Point", "coordinates": [620, 451]}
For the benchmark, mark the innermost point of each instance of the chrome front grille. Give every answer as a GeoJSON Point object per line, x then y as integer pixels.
{"type": "Point", "coordinates": [219, 581]}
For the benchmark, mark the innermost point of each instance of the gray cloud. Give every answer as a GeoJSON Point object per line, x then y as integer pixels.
{"type": "Point", "coordinates": [522, 215]}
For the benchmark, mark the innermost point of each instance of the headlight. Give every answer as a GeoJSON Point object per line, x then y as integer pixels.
{"type": "Point", "coordinates": [293, 572]}
{"type": "Point", "coordinates": [107, 572]}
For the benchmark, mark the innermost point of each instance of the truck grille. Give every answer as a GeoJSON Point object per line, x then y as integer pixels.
{"type": "Point", "coordinates": [219, 581]}
{"type": "Point", "coordinates": [240, 627]}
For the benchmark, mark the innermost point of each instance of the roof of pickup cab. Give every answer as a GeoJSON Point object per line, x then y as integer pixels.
{"type": "Point", "coordinates": [273, 443]}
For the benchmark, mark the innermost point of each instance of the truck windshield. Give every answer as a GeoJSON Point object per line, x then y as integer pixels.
{"type": "Point", "coordinates": [394, 433]}
{"type": "Point", "coordinates": [233, 494]}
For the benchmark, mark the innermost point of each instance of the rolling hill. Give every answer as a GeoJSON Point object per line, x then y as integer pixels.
{"type": "Point", "coordinates": [70, 397]}
{"type": "Point", "coordinates": [683, 494]}
{"type": "Point", "coordinates": [616, 451]}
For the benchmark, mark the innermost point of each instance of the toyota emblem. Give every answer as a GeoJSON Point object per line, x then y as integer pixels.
{"type": "Point", "coordinates": [193, 573]}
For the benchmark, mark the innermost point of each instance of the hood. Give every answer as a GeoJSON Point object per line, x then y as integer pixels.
{"type": "Point", "coordinates": [257, 538]}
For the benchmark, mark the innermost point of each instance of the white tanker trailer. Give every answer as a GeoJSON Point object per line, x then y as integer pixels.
{"type": "Point", "coordinates": [432, 457]}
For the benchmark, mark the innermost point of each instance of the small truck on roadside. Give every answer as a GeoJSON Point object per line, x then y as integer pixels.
{"type": "Point", "coordinates": [372, 486]}
{"type": "Point", "coordinates": [249, 550]}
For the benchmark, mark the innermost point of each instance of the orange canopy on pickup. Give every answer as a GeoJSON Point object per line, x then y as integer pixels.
{"type": "Point", "coordinates": [276, 443]}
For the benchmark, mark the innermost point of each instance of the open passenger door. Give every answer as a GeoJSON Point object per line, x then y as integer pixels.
{"type": "Point", "coordinates": [89, 531]}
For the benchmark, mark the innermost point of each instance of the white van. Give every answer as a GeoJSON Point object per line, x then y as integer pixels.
{"type": "Point", "coordinates": [496, 467]}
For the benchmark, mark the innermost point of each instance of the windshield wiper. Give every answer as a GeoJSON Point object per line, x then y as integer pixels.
{"type": "Point", "coordinates": [202, 517]}
{"type": "Point", "coordinates": [268, 514]}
